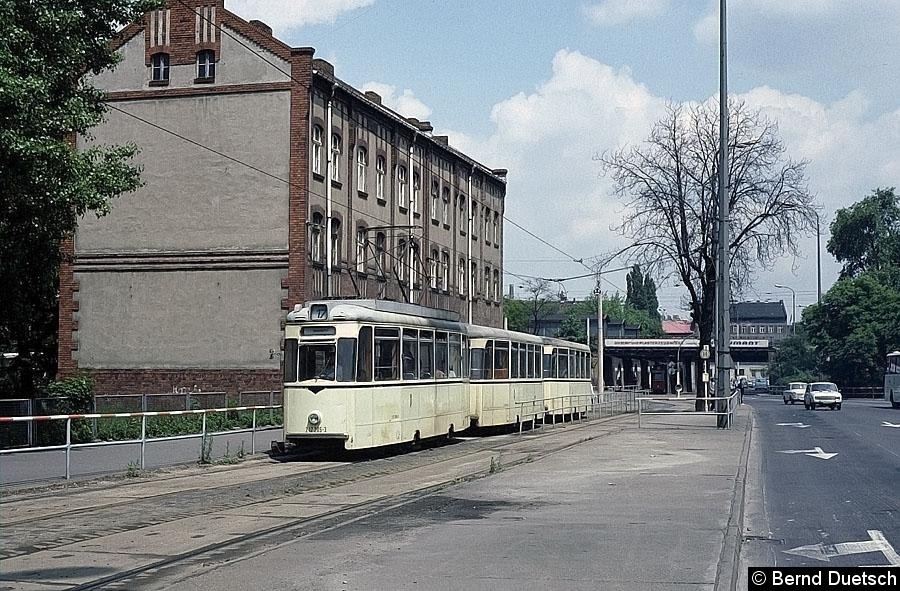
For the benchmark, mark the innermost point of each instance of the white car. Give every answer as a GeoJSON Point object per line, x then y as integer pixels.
{"type": "Point", "coordinates": [822, 394]}
{"type": "Point", "coordinates": [794, 392]}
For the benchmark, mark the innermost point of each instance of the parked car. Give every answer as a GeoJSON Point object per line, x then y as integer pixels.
{"type": "Point", "coordinates": [822, 394]}
{"type": "Point", "coordinates": [760, 383]}
{"type": "Point", "coordinates": [794, 392]}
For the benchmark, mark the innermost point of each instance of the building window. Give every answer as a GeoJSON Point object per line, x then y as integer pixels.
{"type": "Point", "coordinates": [445, 206]}
{"type": "Point", "coordinates": [414, 259]}
{"type": "Point", "coordinates": [315, 238]}
{"type": "Point", "coordinates": [445, 271]}
{"type": "Point", "coordinates": [435, 200]}
{"type": "Point", "coordinates": [380, 240]}
{"type": "Point", "coordinates": [316, 149]}
{"type": "Point", "coordinates": [380, 167]}
{"type": "Point", "coordinates": [752, 329]}
{"type": "Point", "coordinates": [206, 65]}
{"type": "Point", "coordinates": [734, 329]}
{"type": "Point", "coordinates": [487, 283]}
{"type": "Point", "coordinates": [335, 243]}
{"type": "Point", "coordinates": [463, 221]}
{"type": "Point", "coordinates": [159, 68]}
{"type": "Point", "coordinates": [417, 190]}
{"type": "Point", "coordinates": [496, 229]}
{"type": "Point", "coordinates": [461, 277]}
{"type": "Point", "coordinates": [474, 220]}
{"type": "Point", "coordinates": [486, 221]}
{"type": "Point", "coordinates": [433, 270]}
{"type": "Point", "coordinates": [474, 291]}
{"type": "Point", "coordinates": [335, 157]}
{"type": "Point", "coordinates": [362, 162]}
{"type": "Point", "coordinates": [780, 330]}
{"type": "Point", "coordinates": [496, 286]}
{"type": "Point", "coordinates": [362, 243]}
{"type": "Point", "coordinates": [401, 187]}
{"type": "Point", "coordinates": [403, 258]}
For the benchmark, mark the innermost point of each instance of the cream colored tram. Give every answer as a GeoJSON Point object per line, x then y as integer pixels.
{"type": "Point", "coordinates": [505, 376]}
{"type": "Point", "coordinates": [566, 375]}
{"type": "Point", "coordinates": [369, 373]}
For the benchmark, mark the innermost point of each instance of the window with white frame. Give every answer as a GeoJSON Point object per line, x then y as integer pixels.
{"type": "Point", "coordinates": [414, 259]}
{"type": "Point", "coordinates": [475, 220]}
{"type": "Point", "coordinates": [445, 271]}
{"type": "Point", "coordinates": [780, 330]}
{"type": "Point", "coordinates": [486, 221]}
{"type": "Point", "coordinates": [474, 280]}
{"type": "Point", "coordinates": [433, 270]}
{"type": "Point", "coordinates": [435, 199]}
{"type": "Point", "coordinates": [496, 229]}
{"type": "Point", "coordinates": [487, 283]}
{"type": "Point", "coordinates": [463, 220]}
{"type": "Point", "coordinates": [403, 258]}
{"type": "Point", "coordinates": [362, 243]}
{"type": "Point", "coordinates": [496, 285]}
{"type": "Point", "coordinates": [445, 206]}
{"type": "Point", "coordinates": [380, 167]}
{"type": "Point", "coordinates": [159, 67]}
{"type": "Point", "coordinates": [752, 329]}
{"type": "Point", "coordinates": [461, 277]}
{"type": "Point", "coordinates": [362, 163]}
{"type": "Point", "coordinates": [336, 150]}
{"type": "Point", "coordinates": [335, 242]}
{"type": "Point", "coordinates": [401, 187]}
{"type": "Point", "coordinates": [317, 149]}
{"type": "Point", "coordinates": [315, 238]}
{"type": "Point", "coordinates": [206, 64]}
{"type": "Point", "coordinates": [380, 251]}
{"type": "Point", "coordinates": [417, 191]}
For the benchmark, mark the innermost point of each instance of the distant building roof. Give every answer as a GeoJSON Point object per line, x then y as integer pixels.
{"type": "Point", "coordinates": [758, 312]}
{"type": "Point", "coordinates": [677, 328]}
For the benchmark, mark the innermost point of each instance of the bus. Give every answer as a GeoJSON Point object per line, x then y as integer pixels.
{"type": "Point", "coordinates": [892, 379]}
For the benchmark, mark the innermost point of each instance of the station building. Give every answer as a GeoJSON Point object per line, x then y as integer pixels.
{"type": "Point", "coordinates": [268, 181]}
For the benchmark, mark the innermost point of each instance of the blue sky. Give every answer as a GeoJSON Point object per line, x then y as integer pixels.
{"type": "Point", "coordinates": [540, 87]}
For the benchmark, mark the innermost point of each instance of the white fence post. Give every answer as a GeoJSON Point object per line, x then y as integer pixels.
{"type": "Point", "coordinates": [253, 435]}
{"type": "Point", "coordinates": [143, 438]}
{"type": "Point", "coordinates": [68, 446]}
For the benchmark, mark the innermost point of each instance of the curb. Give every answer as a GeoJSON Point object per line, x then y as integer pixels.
{"type": "Point", "coordinates": [727, 572]}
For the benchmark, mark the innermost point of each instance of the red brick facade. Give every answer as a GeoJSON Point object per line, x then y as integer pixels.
{"type": "Point", "coordinates": [111, 382]}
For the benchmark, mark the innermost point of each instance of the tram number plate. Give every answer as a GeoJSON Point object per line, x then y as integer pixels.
{"type": "Point", "coordinates": [316, 429]}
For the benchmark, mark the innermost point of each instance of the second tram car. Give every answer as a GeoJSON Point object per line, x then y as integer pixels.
{"type": "Point", "coordinates": [369, 373]}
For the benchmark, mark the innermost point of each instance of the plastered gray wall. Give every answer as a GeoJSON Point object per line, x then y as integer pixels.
{"type": "Point", "coordinates": [183, 319]}
{"type": "Point", "coordinates": [193, 199]}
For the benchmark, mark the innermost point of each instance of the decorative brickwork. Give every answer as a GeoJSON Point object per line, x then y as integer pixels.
{"type": "Point", "coordinates": [301, 72]}
{"type": "Point", "coordinates": [162, 93]}
{"type": "Point", "coordinates": [174, 30]}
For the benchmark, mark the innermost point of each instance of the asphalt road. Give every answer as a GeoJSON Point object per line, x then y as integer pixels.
{"type": "Point", "coordinates": [813, 506]}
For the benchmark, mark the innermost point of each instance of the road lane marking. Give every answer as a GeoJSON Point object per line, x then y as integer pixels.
{"type": "Point", "coordinates": [798, 425]}
{"type": "Point", "coordinates": [825, 552]}
{"type": "Point", "coordinates": [888, 424]}
{"type": "Point", "coordinates": [816, 452]}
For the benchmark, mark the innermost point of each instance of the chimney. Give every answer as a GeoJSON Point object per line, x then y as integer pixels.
{"type": "Point", "coordinates": [262, 27]}
{"type": "Point", "coordinates": [323, 67]}
{"type": "Point", "coordinates": [426, 126]}
{"type": "Point", "coordinates": [373, 96]}
{"type": "Point", "coordinates": [500, 172]}
{"type": "Point", "coordinates": [442, 139]}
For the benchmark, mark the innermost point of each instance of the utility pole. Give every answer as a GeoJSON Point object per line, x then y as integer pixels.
{"type": "Point", "coordinates": [818, 262]}
{"type": "Point", "coordinates": [600, 343]}
{"type": "Point", "coordinates": [723, 336]}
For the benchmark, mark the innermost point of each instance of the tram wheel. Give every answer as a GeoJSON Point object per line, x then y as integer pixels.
{"type": "Point", "coordinates": [451, 432]}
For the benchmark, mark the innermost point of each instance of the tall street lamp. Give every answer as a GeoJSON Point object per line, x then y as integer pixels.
{"type": "Point", "coordinates": [818, 261]}
{"type": "Point", "coordinates": [793, 303]}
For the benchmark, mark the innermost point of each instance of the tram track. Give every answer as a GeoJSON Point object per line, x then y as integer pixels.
{"type": "Point", "coordinates": [251, 544]}
{"type": "Point", "coordinates": [51, 532]}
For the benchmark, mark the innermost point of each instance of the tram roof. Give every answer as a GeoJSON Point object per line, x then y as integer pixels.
{"type": "Point", "coordinates": [379, 311]}
{"type": "Point", "coordinates": [567, 344]}
{"type": "Point", "coordinates": [487, 332]}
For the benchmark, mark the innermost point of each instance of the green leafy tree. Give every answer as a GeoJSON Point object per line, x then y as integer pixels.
{"type": "Point", "coordinates": [794, 361]}
{"type": "Point", "coordinates": [46, 48]}
{"type": "Point", "coordinates": [855, 326]}
{"type": "Point", "coordinates": [516, 312]}
{"type": "Point", "coordinates": [866, 235]}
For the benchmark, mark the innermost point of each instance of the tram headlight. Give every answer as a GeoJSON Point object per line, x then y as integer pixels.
{"type": "Point", "coordinates": [314, 418]}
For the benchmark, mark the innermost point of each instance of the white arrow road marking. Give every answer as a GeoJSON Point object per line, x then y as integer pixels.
{"type": "Point", "coordinates": [798, 425]}
{"type": "Point", "coordinates": [825, 552]}
{"type": "Point", "coordinates": [813, 453]}
{"type": "Point", "coordinates": [887, 424]}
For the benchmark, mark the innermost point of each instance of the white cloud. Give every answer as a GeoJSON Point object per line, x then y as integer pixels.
{"type": "Point", "coordinates": [406, 103]}
{"type": "Point", "coordinates": [616, 12]}
{"type": "Point", "coordinates": [283, 15]}
{"type": "Point", "coordinates": [547, 137]}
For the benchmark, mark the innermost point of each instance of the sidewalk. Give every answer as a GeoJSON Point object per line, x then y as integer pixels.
{"type": "Point", "coordinates": [656, 508]}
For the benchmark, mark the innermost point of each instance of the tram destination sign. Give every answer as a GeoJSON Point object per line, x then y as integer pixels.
{"type": "Point", "coordinates": [684, 344]}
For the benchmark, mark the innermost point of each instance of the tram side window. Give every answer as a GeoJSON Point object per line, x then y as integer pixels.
{"type": "Point", "coordinates": [465, 357]}
{"type": "Point", "coordinates": [346, 360]}
{"type": "Point", "coordinates": [455, 361]}
{"type": "Point", "coordinates": [290, 360]}
{"type": "Point", "coordinates": [501, 360]}
{"type": "Point", "coordinates": [426, 355]}
{"type": "Point", "coordinates": [441, 356]}
{"type": "Point", "coordinates": [387, 354]}
{"type": "Point", "coordinates": [410, 354]}
{"type": "Point", "coordinates": [563, 364]}
{"type": "Point", "coordinates": [489, 360]}
{"type": "Point", "coordinates": [364, 355]}
{"type": "Point", "coordinates": [477, 364]}
{"type": "Point", "coordinates": [548, 365]}
{"type": "Point", "coordinates": [538, 353]}
{"type": "Point", "coordinates": [514, 361]}
{"type": "Point", "coordinates": [523, 361]}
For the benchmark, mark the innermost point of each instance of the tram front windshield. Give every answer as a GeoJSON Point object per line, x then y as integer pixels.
{"type": "Point", "coordinates": [317, 361]}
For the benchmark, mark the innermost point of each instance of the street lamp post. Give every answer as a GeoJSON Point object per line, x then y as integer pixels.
{"type": "Point", "coordinates": [818, 262]}
{"type": "Point", "coordinates": [793, 303]}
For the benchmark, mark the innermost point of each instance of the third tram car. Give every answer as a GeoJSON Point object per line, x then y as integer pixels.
{"type": "Point", "coordinates": [368, 373]}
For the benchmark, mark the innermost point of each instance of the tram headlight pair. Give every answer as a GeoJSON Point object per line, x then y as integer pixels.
{"type": "Point", "coordinates": [314, 418]}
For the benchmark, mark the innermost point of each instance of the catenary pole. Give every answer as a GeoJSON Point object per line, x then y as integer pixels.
{"type": "Point", "coordinates": [723, 337]}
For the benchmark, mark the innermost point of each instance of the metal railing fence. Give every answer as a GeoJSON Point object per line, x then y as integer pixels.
{"type": "Point", "coordinates": [130, 426]}
{"type": "Point", "coordinates": [710, 404]}
{"type": "Point", "coordinates": [576, 407]}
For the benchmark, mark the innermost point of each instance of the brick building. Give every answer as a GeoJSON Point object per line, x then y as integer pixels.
{"type": "Point", "coordinates": [283, 184]}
